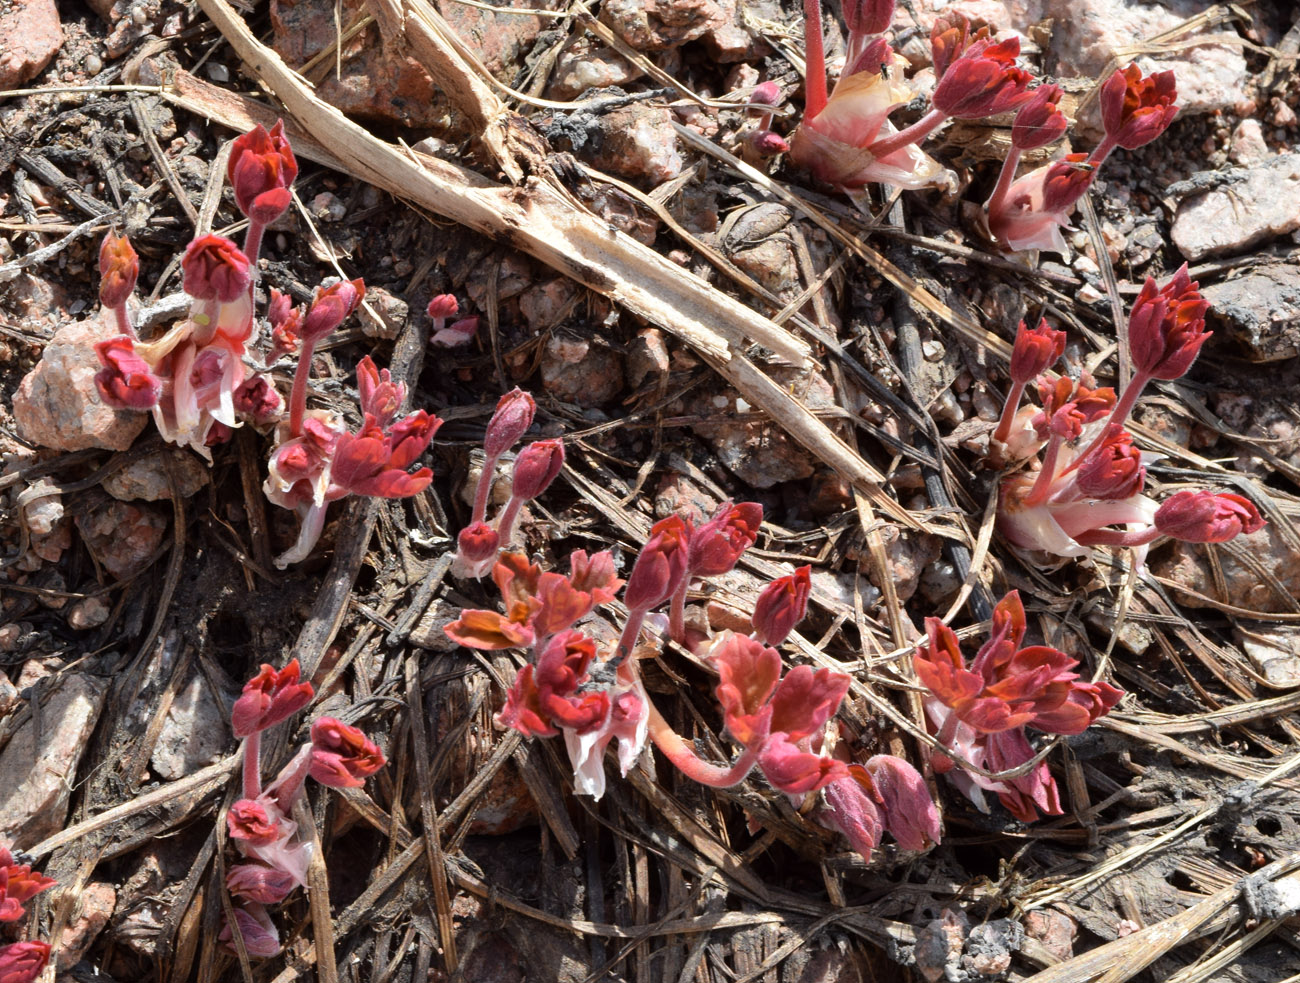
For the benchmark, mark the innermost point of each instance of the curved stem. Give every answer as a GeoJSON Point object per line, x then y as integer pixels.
{"type": "Point", "coordinates": [627, 640]}
{"type": "Point", "coordinates": [485, 479]}
{"type": "Point", "coordinates": [506, 522]}
{"type": "Point", "coordinates": [681, 754]}
{"type": "Point", "coordinates": [815, 80]}
{"type": "Point", "coordinates": [1043, 483]}
{"type": "Point", "coordinates": [1006, 177]}
{"type": "Point", "coordinates": [915, 133]}
{"type": "Point", "coordinates": [298, 396]}
{"type": "Point", "coordinates": [1118, 415]}
{"type": "Point", "coordinates": [1009, 412]}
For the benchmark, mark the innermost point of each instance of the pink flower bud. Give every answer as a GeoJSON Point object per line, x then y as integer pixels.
{"type": "Point", "coordinates": [23, 962]}
{"type": "Point", "coordinates": [260, 170]}
{"type": "Point", "coordinates": [126, 381]}
{"type": "Point", "coordinates": [1039, 121]}
{"type": "Point", "coordinates": [510, 421]}
{"type": "Point", "coordinates": [119, 267]}
{"type": "Point", "coordinates": [910, 814]}
{"type": "Point", "coordinates": [872, 59]}
{"type": "Point", "coordinates": [261, 940]}
{"type": "Point", "coordinates": [268, 698]}
{"type": "Point", "coordinates": [1066, 181]}
{"type": "Point", "coordinates": [781, 606]}
{"type": "Point", "coordinates": [379, 395]}
{"type": "Point", "coordinates": [1035, 349]}
{"type": "Point", "coordinates": [768, 143]}
{"type": "Point", "coordinates": [279, 309]}
{"type": "Point", "coordinates": [851, 809]}
{"type": "Point", "coordinates": [257, 400]}
{"type": "Point", "coordinates": [214, 268]}
{"type": "Point", "coordinates": [983, 81]}
{"type": "Point", "coordinates": [1114, 470]}
{"type": "Point", "coordinates": [1068, 406]}
{"type": "Point", "coordinates": [1204, 517]}
{"type": "Point", "coordinates": [442, 307]}
{"type": "Point", "coordinates": [341, 755]}
{"type": "Point", "coordinates": [1166, 327]}
{"type": "Point", "coordinates": [330, 307]}
{"type": "Point", "coordinates": [766, 94]}
{"type": "Point", "coordinates": [536, 467]}
{"type": "Point", "coordinates": [659, 566]}
{"type": "Point", "coordinates": [1136, 110]}
{"type": "Point", "coordinates": [868, 16]}
{"type": "Point", "coordinates": [477, 546]}
{"type": "Point", "coordinates": [251, 821]}
{"type": "Point", "coordinates": [254, 882]}
{"type": "Point", "coordinates": [716, 546]}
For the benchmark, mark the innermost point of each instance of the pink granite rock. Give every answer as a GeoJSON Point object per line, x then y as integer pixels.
{"type": "Point", "coordinates": [652, 25]}
{"type": "Point", "coordinates": [577, 370]}
{"type": "Point", "coordinates": [95, 904]}
{"type": "Point", "coordinates": [57, 405]}
{"type": "Point", "coordinates": [122, 536]}
{"type": "Point", "coordinates": [39, 770]}
{"type": "Point", "coordinates": [31, 35]}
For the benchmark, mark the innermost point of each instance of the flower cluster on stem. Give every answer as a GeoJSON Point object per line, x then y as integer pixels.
{"type": "Point", "coordinates": [273, 860]}
{"type": "Point", "coordinates": [1090, 478]}
{"type": "Point", "coordinates": [592, 698]}
{"type": "Point", "coordinates": [195, 377]}
{"type": "Point", "coordinates": [980, 710]}
{"type": "Point", "coordinates": [20, 962]}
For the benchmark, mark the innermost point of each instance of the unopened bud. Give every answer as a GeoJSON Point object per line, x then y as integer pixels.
{"type": "Point", "coordinates": [536, 467]}
{"type": "Point", "coordinates": [330, 307]}
{"type": "Point", "coordinates": [510, 421]}
{"type": "Point", "coordinates": [119, 267]}
{"type": "Point", "coordinates": [781, 606]}
{"type": "Point", "coordinates": [214, 268]}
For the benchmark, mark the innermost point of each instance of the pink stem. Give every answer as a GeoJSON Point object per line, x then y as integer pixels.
{"type": "Point", "coordinates": [1101, 152]}
{"type": "Point", "coordinates": [506, 522]}
{"type": "Point", "coordinates": [1043, 483]}
{"type": "Point", "coordinates": [627, 641]}
{"type": "Point", "coordinates": [253, 765]}
{"type": "Point", "coordinates": [124, 321]}
{"type": "Point", "coordinates": [485, 479]}
{"type": "Point", "coordinates": [298, 397]}
{"type": "Point", "coordinates": [677, 613]}
{"type": "Point", "coordinates": [1113, 537]}
{"type": "Point", "coordinates": [1118, 415]}
{"type": "Point", "coordinates": [676, 750]}
{"type": "Point", "coordinates": [915, 133]}
{"type": "Point", "coordinates": [1009, 412]}
{"type": "Point", "coordinates": [815, 82]}
{"type": "Point", "coordinates": [1006, 177]}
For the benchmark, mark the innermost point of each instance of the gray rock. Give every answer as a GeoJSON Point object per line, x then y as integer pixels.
{"type": "Point", "coordinates": [1243, 208]}
{"type": "Point", "coordinates": [57, 405]}
{"type": "Point", "coordinates": [145, 480]}
{"type": "Point", "coordinates": [36, 777]}
{"type": "Point", "coordinates": [1260, 311]}
{"type": "Point", "coordinates": [194, 733]}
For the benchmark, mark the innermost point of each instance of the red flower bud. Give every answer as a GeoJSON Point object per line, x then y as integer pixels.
{"type": "Point", "coordinates": [341, 755]}
{"type": "Point", "coordinates": [23, 962]}
{"type": "Point", "coordinates": [1166, 327]}
{"type": "Point", "coordinates": [257, 400]}
{"type": "Point", "coordinates": [1066, 181]}
{"type": "Point", "coordinates": [279, 309]}
{"type": "Point", "coordinates": [1136, 110]}
{"type": "Point", "coordinates": [1203, 517]}
{"type": "Point", "coordinates": [330, 307]}
{"type": "Point", "coordinates": [983, 81]}
{"type": "Point", "coordinates": [214, 268]}
{"type": "Point", "coordinates": [951, 35]}
{"type": "Point", "coordinates": [1035, 349]}
{"type": "Point", "coordinates": [767, 143]}
{"type": "Point", "coordinates": [659, 566]}
{"type": "Point", "coordinates": [249, 820]}
{"type": "Point", "coordinates": [1039, 121]}
{"type": "Point", "coordinates": [268, 698]}
{"type": "Point", "coordinates": [716, 546]}
{"type": "Point", "coordinates": [378, 394]}
{"type": "Point", "coordinates": [126, 381]}
{"type": "Point", "coordinates": [536, 467]}
{"type": "Point", "coordinates": [909, 812]}
{"type": "Point", "coordinates": [510, 421]}
{"type": "Point", "coordinates": [868, 16]}
{"type": "Point", "coordinates": [442, 307]}
{"type": "Point", "coordinates": [119, 267]}
{"type": "Point", "coordinates": [1114, 470]}
{"type": "Point", "coordinates": [1069, 406]}
{"type": "Point", "coordinates": [260, 170]}
{"type": "Point", "coordinates": [767, 94]}
{"type": "Point", "coordinates": [457, 333]}
{"type": "Point", "coordinates": [265, 885]}
{"type": "Point", "coordinates": [781, 606]}
{"type": "Point", "coordinates": [477, 545]}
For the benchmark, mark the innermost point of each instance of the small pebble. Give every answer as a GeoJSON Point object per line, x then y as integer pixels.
{"type": "Point", "coordinates": [89, 612]}
{"type": "Point", "coordinates": [218, 72]}
{"type": "Point", "coordinates": [93, 64]}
